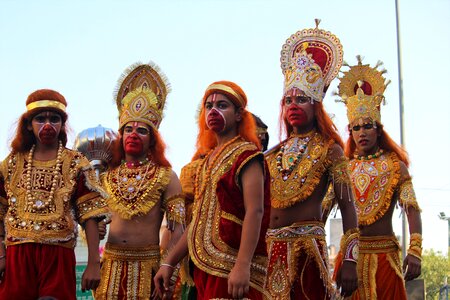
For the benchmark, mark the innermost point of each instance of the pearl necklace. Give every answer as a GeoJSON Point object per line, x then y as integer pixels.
{"type": "Point", "coordinates": [40, 204]}
{"type": "Point", "coordinates": [370, 156]}
{"type": "Point", "coordinates": [304, 140]}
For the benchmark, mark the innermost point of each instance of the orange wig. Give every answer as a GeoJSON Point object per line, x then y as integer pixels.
{"type": "Point", "coordinates": [206, 139]}
{"type": "Point", "coordinates": [24, 138]}
{"type": "Point", "coordinates": [156, 152]}
{"type": "Point", "coordinates": [384, 142]}
{"type": "Point", "coordinates": [323, 124]}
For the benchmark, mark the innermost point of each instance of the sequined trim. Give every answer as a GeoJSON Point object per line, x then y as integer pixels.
{"type": "Point", "coordinates": [206, 249]}
{"type": "Point", "coordinates": [374, 182]}
{"type": "Point", "coordinates": [285, 246]}
{"type": "Point", "coordinates": [407, 196]}
{"type": "Point", "coordinates": [55, 224]}
{"type": "Point", "coordinates": [304, 178]}
{"type": "Point", "coordinates": [154, 181]}
{"type": "Point", "coordinates": [127, 271]}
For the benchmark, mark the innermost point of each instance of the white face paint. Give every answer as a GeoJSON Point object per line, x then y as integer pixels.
{"type": "Point", "coordinates": [215, 120]}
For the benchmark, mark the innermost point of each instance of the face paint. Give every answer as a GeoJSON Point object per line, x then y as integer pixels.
{"type": "Point", "coordinates": [297, 106]}
{"type": "Point", "coordinates": [47, 133]}
{"type": "Point", "coordinates": [46, 127]}
{"type": "Point", "coordinates": [215, 120]}
{"type": "Point", "coordinates": [135, 134]}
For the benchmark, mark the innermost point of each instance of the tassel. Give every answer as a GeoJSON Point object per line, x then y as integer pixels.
{"type": "Point", "coordinates": [359, 58]}
{"type": "Point", "coordinates": [345, 64]}
{"type": "Point", "coordinates": [388, 82]}
{"type": "Point", "coordinates": [317, 22]}
{"type": "Point", "coordinates": [384, 71]}
{"type": "Point", "coordinates": [379, 63]}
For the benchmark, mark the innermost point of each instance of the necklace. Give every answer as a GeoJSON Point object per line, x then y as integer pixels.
{"type": "Point", "coordinates": [133, 164]}
{"type": "Point", "coordinates": [41, 204]}
{"type": "Point", "coordinates": [299, 145]}
{"type": "Point", "coordinates": [370, 156]}
{"type": "Point", "coordinates": [129, 185]}
{"type": "Point", "coordinates": [207, 176]}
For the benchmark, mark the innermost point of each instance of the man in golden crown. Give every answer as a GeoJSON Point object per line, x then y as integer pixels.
{"type": "Point", "coordinates": [379, 177]}
{"type": "Point", "coordinates": [45, 190]}
{"type": "Point", "coordinates": [302, 168]}
{"type": "Point", "coordinates": [225, 239]}
{"type": "Point", "coordinates": [142, 186]}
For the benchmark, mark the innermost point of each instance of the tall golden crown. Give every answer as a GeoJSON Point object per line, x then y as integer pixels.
{"type": "Point", "coordinates": [361, 89]}
{"type": "Point", "coordinates": [141, 95]}
{"type": "Point", "coordinates": [310, 60]}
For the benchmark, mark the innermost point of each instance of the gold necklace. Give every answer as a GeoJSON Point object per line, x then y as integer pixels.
{"type": "Point", "coordinates": [129, 187]}
{"type": "Point", "coordinates": [41, 204]}
{"type": "Point", "coordinates": [370, 156]}
{"type": "Point", "coordinates": [304, 140]}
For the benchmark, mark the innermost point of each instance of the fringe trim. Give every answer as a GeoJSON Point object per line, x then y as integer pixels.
{"type": "Point", "coordinates": [144, 205]}
{"type": "Point", "coordinates": [384, 206]}
{"type": "Point", "coordinates": [309, 185]}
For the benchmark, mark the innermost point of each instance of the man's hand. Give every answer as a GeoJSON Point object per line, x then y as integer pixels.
{"type": "Point", "coordinates": [412, 267]}
{"type": "Point", "coordinates": [163, 283]}
{"type": "Point", "coordinates": [347, 278]}
{"type": "Point", "coordinates": [2, 267]}
{"type": "Point", "coordinates": [239, 280]}
{"type": "Point", "coordinates": [102, 228]}
{"type": "Point", "coordinates": [91, 277]}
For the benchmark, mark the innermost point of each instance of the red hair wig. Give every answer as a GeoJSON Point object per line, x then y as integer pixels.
{"type": "Point", "coordinates": [24, 138]}
{"type": "Point", "coordinates": [156, 152]}
{"type": "Point", "coordinates": [323, 124]}
{"type": "Point", "coordinates": [385, 142]}
{"type": "Point", "coordinates": [206, 139]}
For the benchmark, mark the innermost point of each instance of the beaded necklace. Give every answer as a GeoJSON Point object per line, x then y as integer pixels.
{"type": "Point", "coordinates": [211, 164]}
{"type": "Point", "coordinates": [370, 156]}
{"type": "Point", "coordinates": [41, 204]}
{"type": "Point", "coordinates": [129, 187]}
{"type": "Point", "coordinates": [303, 141]}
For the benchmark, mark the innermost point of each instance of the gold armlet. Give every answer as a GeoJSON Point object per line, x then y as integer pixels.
{"type": "Point", "coordinates": [350, 245]}
{"type": "Point", "coordinates": [415, 245]}
{"type": "Point", "coordinates": [407, 196]}
{"type": "Point", "coordinates": [175, 211]}
{"type": "Point", "coordinates": [339, 171]}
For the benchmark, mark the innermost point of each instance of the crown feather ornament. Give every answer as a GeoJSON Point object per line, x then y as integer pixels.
{"type": "Point", "coordinates": [141, 94]}
{"type": "Point", "coordinates": [361, 89]}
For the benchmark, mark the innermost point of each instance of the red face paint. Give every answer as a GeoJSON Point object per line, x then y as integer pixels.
{"type": "Point", "coordinates": [47, 134]}
{"type": "Point", "coordinates": [133, 144]}
{"type": "Point", "coordinates": [215, 120]}
{"type": "Point", "coordinates": [296, 116]}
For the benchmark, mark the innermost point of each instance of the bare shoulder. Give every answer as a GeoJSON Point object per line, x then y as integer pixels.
{"type": "Point", "coordinates": [404, 173]}
{"type": "Point", "coordinates": [335, 151]}
{"type": "Point", "coordinates": [174, 186]}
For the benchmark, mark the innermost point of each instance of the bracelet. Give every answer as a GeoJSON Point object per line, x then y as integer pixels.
{"type": "Point", "coordinates": [167, 265]}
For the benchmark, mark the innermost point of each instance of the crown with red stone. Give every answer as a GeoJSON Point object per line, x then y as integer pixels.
{"type": "Point", "coordinates": [310, 60]}
{"type": "Point", "coordinates": [141, 95]}
{"type": "Point", "coordinates": [361, 89]}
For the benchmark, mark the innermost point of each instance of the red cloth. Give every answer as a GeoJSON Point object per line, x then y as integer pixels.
{"type": "Point", "coordinates": [231, 200]}
{"type": "Point", "coordinates": [36, 270]}
{"type": "Point", "coordinates": [210, 286]}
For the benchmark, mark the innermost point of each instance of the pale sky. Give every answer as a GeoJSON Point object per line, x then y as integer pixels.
{"type": "Point", "coordinates": [80, 48]}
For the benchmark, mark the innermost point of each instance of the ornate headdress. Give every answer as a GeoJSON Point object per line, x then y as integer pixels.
{"type": "Point", "coordinates": [361, 89]}
{"type": "Point", "coordinates": [141, 95]}
{"type": "Point", "coordinates": [310, 60]}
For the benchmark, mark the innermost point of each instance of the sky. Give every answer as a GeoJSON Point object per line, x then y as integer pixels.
{"type": "Point", "coordinates": [80, 48]}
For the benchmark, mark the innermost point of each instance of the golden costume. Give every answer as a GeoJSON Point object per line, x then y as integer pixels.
{"type": "Point", "coordinates": [376, 182]}
{"type": "Point", "coordinates": [298, 259]}
{"type": "Point", "coordinates": [127, 272]}
{"type": "Point", "coordinates": [33, 213]}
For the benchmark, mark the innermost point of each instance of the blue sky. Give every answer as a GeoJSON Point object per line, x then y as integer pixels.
{"type": "Point", "coordinates": [80, 48]}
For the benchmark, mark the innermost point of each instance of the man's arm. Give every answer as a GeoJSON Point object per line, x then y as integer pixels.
{"type": "Point", "coordinates": [252, 180]}
{"type": "Point", "coordinates": [91, 276]}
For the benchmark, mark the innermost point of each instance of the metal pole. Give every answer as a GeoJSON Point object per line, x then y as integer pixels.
{"type": "Point", "coordinates": [402, 140]}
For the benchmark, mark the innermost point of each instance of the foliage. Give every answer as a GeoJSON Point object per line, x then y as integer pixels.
{"type": "Point", "coordinates": [435, 268]}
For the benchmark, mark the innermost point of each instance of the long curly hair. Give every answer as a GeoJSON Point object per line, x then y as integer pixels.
{"type": "Point", "coordinates": [24, 138]}
{"type": "Point", "coordinates": [206, 139]}
{"type": "Point", "coordinates": [385, 142]}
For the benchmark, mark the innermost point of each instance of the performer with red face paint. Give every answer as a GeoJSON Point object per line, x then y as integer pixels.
{"type": "Point", "coordinates": [142, 186]}
{"type": "Point", "coordinates": [45, 189]}
{"type": "Point", "coordinates": [225, 238]}
{"type": "Point", "coordinates": [302, 168]}
{"type": "Point", "coordinates": [380, 178]}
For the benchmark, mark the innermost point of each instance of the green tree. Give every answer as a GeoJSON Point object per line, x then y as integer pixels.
{"type": "Point", "coordinates": [435, 268]}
